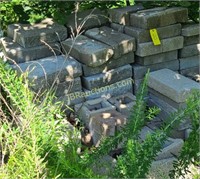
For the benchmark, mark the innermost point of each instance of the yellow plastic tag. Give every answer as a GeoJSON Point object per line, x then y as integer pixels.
{"type": "Point", "coordinates": [155, 37]}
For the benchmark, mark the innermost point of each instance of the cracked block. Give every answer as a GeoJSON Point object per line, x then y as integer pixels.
{"type": "Point", "coordinates": [124, 103]}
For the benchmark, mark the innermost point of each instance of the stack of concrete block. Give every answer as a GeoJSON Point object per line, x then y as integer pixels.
{"type": "Point", "coordinates": [168, 90]}
{"type": "Point", "coordinates": [189, 54]}
{"type": "Point", "coordinates": [105, 55]}
{"type": "Point", "coordinates": [31, 42]}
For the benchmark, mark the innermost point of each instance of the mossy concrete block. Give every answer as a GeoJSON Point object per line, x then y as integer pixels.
{"type": "Point", "coordinates": [158, 17]}
{"type": "Point", "coordinates": [88, 51]}
{"type": "Point", "coordinates": [119, 42]}
{"type": "Point", "coordinates": [28, 35]}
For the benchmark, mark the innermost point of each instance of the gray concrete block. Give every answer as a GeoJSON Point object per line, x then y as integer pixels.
{"type": "Point", "coordinates": [117, 27]}
{"type": "Point", "coordinates": [77, 22]}
{"type": "Point", "coordinates": [190, 30]}
{"type": "Point", "coordinates": [188, 51]}
{"type": "Point", "coordinates": [115, 89]}
{"type": "Point", "coordinates": [122, 15]}
{"type": "Point", "coordinates": [169, 44]}
{"type": "Point", "coordinates": [136, 86]}
{"type": "Point", "coordinates": [120, 43]}
{"type": "Point", "coordinates": [110, 77]}
{"type": "Point", "coordinates": [34, 35]}
{"type": "Point", "coordinates": [191, 40]}
{"type": "Point", "coordinates": [15, 53]}
{"type": "Point", "coordinates": [139, 71]}
{"type": "Point", "coordinates": [88, 51]}
{"type": "Point", "coordinates": [111, 64]}
{"type": "Point", "coordinates": [143, 35]}
{"type": "Point", "coordinates": [171, 84]}
{"type": "Point", "coordinates": [144, 132]}
{"type": "Point", "coordinates": [187, 71]}
{"type": "Point", "coordinates": [155, 123]}
{"type": "Point", "coordinates": [158, 17]}
{"type": "Point", "coordinates": [189, 62]}
{"type": "Point", "coordinates": [70, 85]}
{"type": "Point", "coordinates": [45, 72]}
{"type": "Point", "coordinates": [157, 58]}
{"type": "Point", "coordinates": [124, 103]}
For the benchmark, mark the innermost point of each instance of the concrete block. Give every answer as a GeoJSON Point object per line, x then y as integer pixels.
{"type": "Point", "coordinates": [77, 22]}
{"type": "Point", "coordinates": [122, 15]}
{"type": "Point", "coordinates": [189, 62]}
{"type": "Point", "coordinates": [110, 77]}
{"type": "Point", "coordinates": [139, 71]}
{"type": "Point", "coordinates": [169, 44]}
{"type": "Point", "coordinates": [115, 89]}
{"type": "Point", "coordinates": [188, 71]}
{"type": "Point", "coordinates": [136, 86]}
{"type": "Point", "coordinates": [187, 133]}
{"type": "Point", "coordinates": [49, 71]}
{"type": "Point", "coordinates": [28, 35]}
{"type": "Point", "coordinates": [190, 30]}
{"type": "Point", "coordinates": [154, 124]}
{"type": "Point", "coordinates": [111, 64]}
{"type": "Point", "coordinates": [16, 53]}
{"type": "Point", "coordinates": [191, 40]}
{"type": "Point", "coordinates": [124, 103]}
{"type": "Point", "coordinates": [119, 42]}
{"type": "Point", "coordinates": [158, 58]}
{"type": "Point", "coordinates": [171, 84]}
{"type": "Point", "coordinates": [144, 132]}
{"type": "Point", "coordinates": [143, 35]}
{"type": "Point", "coordinates": [188, 51]}
{"type": "Point", "coordinates": [171, 147]}
{"type": "Point", "coordinates": [88, 51]}
{"type": "Point", "coordinates": [158, 17]}
{"type": "Point", "coordinates": [70, 85]}
{"type": "Point", "coordinates": [117, 27]}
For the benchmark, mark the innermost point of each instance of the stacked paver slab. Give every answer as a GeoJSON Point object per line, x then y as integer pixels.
{"type": "Point", "coordinates": [189, 54]}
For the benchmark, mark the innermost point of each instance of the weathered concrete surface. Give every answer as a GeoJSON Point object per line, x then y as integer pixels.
{"type": "Point", "coordinates": [188, 51]}
{"type": "Point", "coordinates": [158, 58]}
{"type": "Point", "coordinates": [169, 44]}
{"type": "Point", "coordinates": [77, 22]}
{"type": "Point", "coordinates": [122, 15]}
{"type": "Point", "coordinates": [115, 89]}
{"type": "Point", "coordinates": [191, 40]}
{"type": "Point", "coordinates": [117, 27]}
{"type": "Point", "coordinates": [190, 30]}
{"type": "Point", "coordinates": [120, 43]}
{"type": "Point", "coordinates": [111, 64]}
{"type": "Point", "coordinates": [158, 17]}
{"type": "Point", "coordinates": [190, 70]}
{"type": "Point", "coordinates": [15, 53]}
{"type": "Point", "coordinates": [70, 85]}
{"type": "Point", "coordinates": [136, 86]}
{"type": "Point", "coordinates": [88, 51]}
{"type": "Point", "coordinates": [139, 71]}
{"type": "Point", "coordinates": [143, 35]}
{"type": "Point", "coordinates": [189, 62]}
{"type": "Point", "coordinates": [171, 84]}
{"type": "Point", "coordinates": [48, 71]}
{"type": "Point", "coordinates": [110, 77]}
{"type": "Point", "coordinates": [124, 103]}
{"type": "Point", "coordinates": [28, 35]}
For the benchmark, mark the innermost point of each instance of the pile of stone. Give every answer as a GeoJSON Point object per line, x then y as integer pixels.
{"type": "Point", "coordinates": [189, 54]}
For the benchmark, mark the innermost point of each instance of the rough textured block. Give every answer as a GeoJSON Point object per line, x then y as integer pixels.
{"type": "Point", "coordinates": [44, 72]}
{"type": "Point", "coordinates": [122, 15]}
{"type": "Point", "coordinates": [189, 62]}
{"type": "Point", "coordinates": [77, 22]}
{"type": "Point", "coordinates": [190, 30]}
{"type": "Point", "coordinates": [70, 85]}
{"type": "Point", "coordinates": [143, 35]}
{"type": "Point", "coordinates": [107, 78]}
{"type": "Point", "coordinates": [171, 84]}
{"type": "Point", "coordinates": [88, 51]}
{"type": "Point", "coordinates": [117, 27]}
{"type": "Point", "coordinates": [34, 35]}
{"type": "Point", "coordinates": [169, 44]}
{"type": "Point", "coordinates": [191, 40]}
{"type": "Point", "coordinates": [120, 43]}
{"type": "Point", "coordinates": [111, 64]}
{"type": "Point", "coordinates": [158, 17]}
{"type": "Point", "coordinates": [158, 58]}
{"type": "Point", "coordinates": [15, 52]}
{"type": "Point", "coordinates": [115, 89]}
{"type": "Point", "coordinates": [124, 103]}
{"type": "Point", "coordinates": [188, 51]}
